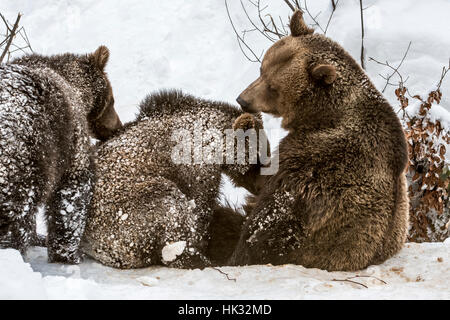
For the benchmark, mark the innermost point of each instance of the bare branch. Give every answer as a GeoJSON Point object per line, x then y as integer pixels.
{"type": "Point", "coordinates": [266, 24]}
{"type": "Point", "coordinates": [11, 36]}
{"type": "Point", "coordinates": [363, 64]}
{"type": "Point", "coordinates": [443, 74]}
{"type": "Point", "coordinates": [256, 28]}
{"type": "Point", "coordinates": [351, 281]}
{"type": "Point", "coordinates": [334, 5]}
{"type": "Point", "coordinates": [225, 274]}
{"type": "Point", "coordinates": [290, 5]}
{"type": "Point", "coordinates": [395, 70]}
{"type": "Point", "coordinates": [241, 40]}
{"type": "Point", "coordinates": [316, 23]}
{"type": "Point", "coordinates": [11, 43]}
{"type": "Point", "coordinates": [360, 276]}
{"type": "Point", "coordinates": [8, 29]}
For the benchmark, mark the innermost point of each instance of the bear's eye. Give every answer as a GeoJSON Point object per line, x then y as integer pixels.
{"type": "Point", "coordinates": [271, 88]}
{"type": "Point", "coordinates": [272, 91]}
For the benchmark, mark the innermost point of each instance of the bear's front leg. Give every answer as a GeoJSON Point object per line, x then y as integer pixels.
{"type": "Point", "coordinates": [66, 216]}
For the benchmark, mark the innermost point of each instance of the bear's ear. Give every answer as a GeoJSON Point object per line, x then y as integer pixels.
{"type": "Point", "coordinates": [100, 57]}
{"type": "Point", "coordinates": [298, 26]}
{"type": "Point", "coordinates": [324, 73]}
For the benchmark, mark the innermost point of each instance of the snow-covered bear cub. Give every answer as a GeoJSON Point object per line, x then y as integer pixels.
{"type": "Point", "coordinates": [149, 210]}
{"type": "Point", "coordinates": [49, 106]}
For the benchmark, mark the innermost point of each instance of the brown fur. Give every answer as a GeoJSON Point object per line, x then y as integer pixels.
{"type": "Point", "coordinates": [224, 230]}
{"type": "Point", "coordinates": [48, 108]}
{"type": "Point", "coordinates": [144, 201]}
{"type": "Point", "coordinates": [339, 200]}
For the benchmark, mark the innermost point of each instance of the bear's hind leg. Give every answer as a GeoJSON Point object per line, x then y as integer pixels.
{"type": "Point", "coordinates": [19, 220]}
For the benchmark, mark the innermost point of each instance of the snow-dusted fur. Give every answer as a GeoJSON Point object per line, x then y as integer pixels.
{"type": "Point", "coordinates": [146, 210]}
{"type": "Point", "coordinates": [339, 200]}
{"type": "Point", "coordinates": [48, 108]}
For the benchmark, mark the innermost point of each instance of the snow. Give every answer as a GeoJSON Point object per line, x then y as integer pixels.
{"type": "Point", "coordinates": [17, 279]}
{"type": "Point", "coordinates": [171, 251]}
{"type": "Point", "coordinates": [148, 281]}
{"type": "Point", "coordinates": [416, 273]}
{"type": "Point", "coordinates": [190, 45]}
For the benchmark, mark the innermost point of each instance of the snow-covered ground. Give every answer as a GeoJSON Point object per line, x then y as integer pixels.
{"type": "Point", "coordinates": [418, 272]}
{"type": "Point", "coordinates": [190, 45]}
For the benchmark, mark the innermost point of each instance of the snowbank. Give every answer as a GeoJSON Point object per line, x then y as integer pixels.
{"type": "Point", "coordinates": [420, 271]}
{"type": "Point", "coordinates": [17, 279]}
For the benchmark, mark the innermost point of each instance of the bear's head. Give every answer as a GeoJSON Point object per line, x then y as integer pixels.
{"type": "Point", "coordinates": [103, 119]}
{"type": "Point", "coordinates": [87, 74]}
{"type": "Point", "coordinates": [302, 76]}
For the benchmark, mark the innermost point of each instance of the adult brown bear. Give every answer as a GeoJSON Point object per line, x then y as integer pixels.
{"type": "Point", "coordinates": [339, 200]}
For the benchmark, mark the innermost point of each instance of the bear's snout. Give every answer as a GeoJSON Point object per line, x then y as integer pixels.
{"type": "Point", "coordinates": [244, 104]}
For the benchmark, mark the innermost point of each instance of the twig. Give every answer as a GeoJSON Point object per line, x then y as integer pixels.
{"type": "Point", "coordinates": [351, 281]}
{"type": "Point", "coordinates": [265, 30]}
{"type": "Point", "coordinates": [359, 276]}
{"type": "Point", "coordinates": [290, 5]}
{"type": "Point", "coordinates": [395, 70]}
{"type": "Point", "coordinates": [11, 36]}
{"type": "Point", "coordinates": [314, 18]}
{"type": "Point", "coordinates": [266, 25]}
{"type": "Point", "coordinates": [8, 29]}
{"type": "Point", "coordinates": [24, 35]}
{"type": "Point", "coordinates": [443, 74]}
{"type": "Point", "coordinates": [241, 40]}
{"type": "Point", "coordinates": [225, 274]}
{"type": "Point", "coordinates": [334, 5]}
{"type": "Point", "coordinates": [363, 64]}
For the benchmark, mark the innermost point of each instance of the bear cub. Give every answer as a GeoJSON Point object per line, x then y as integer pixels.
{"type": "Point", "coordinates": [49, 108]}
{"type": "Point", "coordinates": [148, 209]}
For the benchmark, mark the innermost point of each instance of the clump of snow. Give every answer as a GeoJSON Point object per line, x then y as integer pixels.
{"type": "Point", "coordinates": [171, 251]}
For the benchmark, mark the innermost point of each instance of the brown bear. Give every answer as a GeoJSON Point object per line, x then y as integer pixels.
{"type": "Point", "coordinates": [224, 232]}
{"type": "Point", "coordinates": [148, 208]}
{"type": "Point", "coordinates": [49, 108]}
{"type": "Point", "coordinates": [339, 200]}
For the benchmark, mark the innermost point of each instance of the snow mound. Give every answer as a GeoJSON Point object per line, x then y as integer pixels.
{"type": "Point", "coordinates": [17, 279]}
